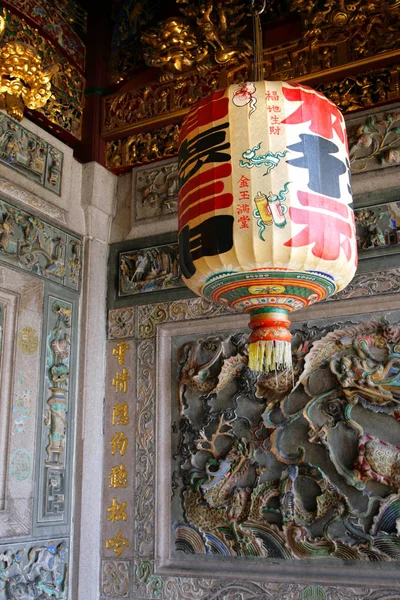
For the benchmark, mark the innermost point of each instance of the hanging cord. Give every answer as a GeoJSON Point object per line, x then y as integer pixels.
{"type": "Point", "coordinates": [258, 70]}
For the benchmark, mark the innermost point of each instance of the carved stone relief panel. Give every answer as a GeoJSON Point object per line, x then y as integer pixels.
{"type": "Point", "coordinates": [155, 190]}
{"type": "Point", "coordinates": [57, 410]}
{"type": "Point", "coordinates": [37, 381]}
{"type": "Point", "coordinates": [30, 155]}
{"type": "Point", "coordinates": [38, 247]}
{"type": "Point", "coordinates": [37, 570]}
{"type": "Point", "coordinates": [312, 486]}
{"type": "Point", "coordinates": [374, 140]}
{"type": "Point", "coordinates": [259, 470]}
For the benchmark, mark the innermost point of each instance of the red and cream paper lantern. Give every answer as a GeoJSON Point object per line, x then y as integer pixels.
{"type": "Point", "coordinates": [265, 218]}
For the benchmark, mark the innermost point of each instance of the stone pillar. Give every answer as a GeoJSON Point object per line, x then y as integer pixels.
{"type": "Point", "coordinates": [98, 196]}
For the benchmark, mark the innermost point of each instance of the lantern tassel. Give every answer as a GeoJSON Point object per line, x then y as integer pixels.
{"type": "Point", "coordinates": [269, 347]}
{"type": "Point", "coordinates": [270, 355]}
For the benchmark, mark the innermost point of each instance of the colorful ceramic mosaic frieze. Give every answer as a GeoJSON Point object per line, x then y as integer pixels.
{"type": "Point", "coordinates": [37, 247]}
{"type": "Point", "coordinates": [30, 155]}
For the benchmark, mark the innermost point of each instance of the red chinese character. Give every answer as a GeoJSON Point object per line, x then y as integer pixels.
{"type": "Point", "coordinates": [323, 114]}
{"type": "Point", "coordinates": [326, 232]}
{"type": "Point", "coordinates": [274, 130]}
{"type": "Point", "coordinates": [272, 96]}
{"type": "Point", "coordinates": [243, 181]}
{"type": "Point", "coordinates": [244, 221]}
{"type": "Point", "coordinates": [275, 119]}
{"type": "Point", "coordinates": [242, 208]}
{"type": "Point", "coordinates": [244, 195]}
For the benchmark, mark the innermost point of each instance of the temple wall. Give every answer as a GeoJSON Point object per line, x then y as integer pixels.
{"type": "Point", "coordinates": [181, 407]}
{"type": "Point", "coordinates": [55, 222]}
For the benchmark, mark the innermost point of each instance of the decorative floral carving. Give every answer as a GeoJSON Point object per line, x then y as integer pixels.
{"type": "Point", "coordinates": [144, 575]}
{"type": "Point", "coordinates": [143, 147]}
{"type": "Point", "coordinates": [149, 586]}
{"type": "Point", "coordinates": [121, 323]}
{"type": "Point", "coordinates": [145, 464]}
{"type": "Point", "coordinates": [127, 109]}
{"type": "Point", "coordinates": [115, 578]}
{"type": "Point", "coordinates": [195, 308]}
{"type": "Point", "coordinates": [370, 284]}
{"type": "Point", "coordinates": [363, 91]}
{"type": "Point", "coordinates": [376, 142]}
{"type": "Point", "coordinates": [149, 316]}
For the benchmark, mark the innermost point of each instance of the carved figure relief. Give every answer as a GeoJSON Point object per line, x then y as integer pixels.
{"type": "Point", "coordinates": [36, 572]}
{"type": "Point", "coordinates": [30, 155]}
{"type": "Point", "coordinates": [149, 270]}
{"type": "Point", "coordinates": [156, 190]}
{"type": "Point", "coordinates": [378, 226]}
{"type": "Point", "coordinates": [303, 464]}
{"type": "Point", "coordinates": [34, 245]}
{"type": "Point", "coordinates": [58, 373]}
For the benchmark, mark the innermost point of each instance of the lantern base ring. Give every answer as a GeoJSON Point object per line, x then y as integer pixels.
{"type": "Point", "coordinates": [269, 347]}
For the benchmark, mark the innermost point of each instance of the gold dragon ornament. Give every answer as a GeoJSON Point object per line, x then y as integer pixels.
{"type": "Point", "coordinates": [23, 79]}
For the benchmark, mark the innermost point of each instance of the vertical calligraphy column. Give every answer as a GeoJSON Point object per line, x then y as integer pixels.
{"type": "Point", "coordinates": [119, 451]}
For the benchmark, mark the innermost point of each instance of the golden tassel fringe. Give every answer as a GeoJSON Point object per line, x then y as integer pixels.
{"type": "Point", "coordinates": [271, 355]}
